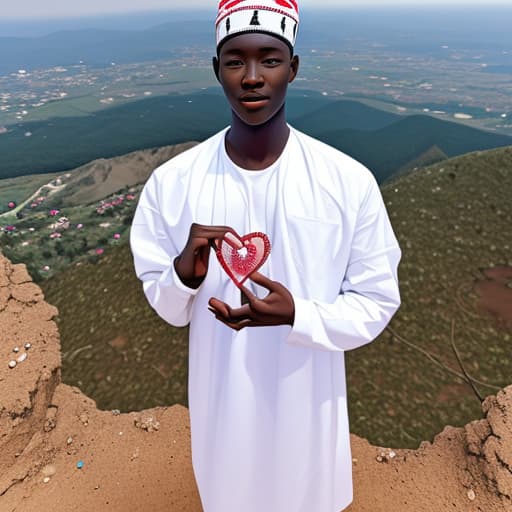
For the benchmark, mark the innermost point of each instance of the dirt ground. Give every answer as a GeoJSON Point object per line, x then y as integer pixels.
{"type": "Point", "coordinates": [495, 294]}
{"type": "Point", "coordinates": [59, 452]}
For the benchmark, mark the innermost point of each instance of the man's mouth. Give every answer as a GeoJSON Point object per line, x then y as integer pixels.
{"type": "Point", "coordinates": [252, 101]}
{"type": "Point", "coordinates": [253, 98]}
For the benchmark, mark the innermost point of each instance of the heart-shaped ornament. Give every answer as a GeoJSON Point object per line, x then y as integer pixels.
{"type": "Point", "coordinates": [240, 256]}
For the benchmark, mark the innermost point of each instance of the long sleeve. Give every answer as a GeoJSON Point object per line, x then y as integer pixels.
{"type": "Point", "coordinates": [369, 294]}
{"type": "Point", "coordinates": [153, 255]}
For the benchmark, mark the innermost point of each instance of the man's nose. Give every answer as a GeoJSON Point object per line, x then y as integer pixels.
{"type": "Point", "coordinates": [252, 76]}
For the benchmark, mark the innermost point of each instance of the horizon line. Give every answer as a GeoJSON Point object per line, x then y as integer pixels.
{"type": "Point", "coordinates": [323, 7]}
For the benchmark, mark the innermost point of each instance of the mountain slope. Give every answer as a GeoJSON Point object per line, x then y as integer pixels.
{"type": "Point", "coordinates": [100, 47]}
{"type": "Point", "coordinates": [431, 156]}
{"type": "Point", "coordinates": [88, 183]}
{"type": "Point", "coordinates": [66, 143]}
{"type": "Point", "coordinates": [350, 115]}
{"type": "Point", "coordinates": [451, 219]}
{"type": "Point", "coordinates": [100, 178]}
{"type": "Point", "coordinates": [390, 148]}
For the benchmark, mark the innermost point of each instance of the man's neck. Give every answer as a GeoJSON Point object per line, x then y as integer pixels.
{"type": "Point", "coordinates": [257, 147]}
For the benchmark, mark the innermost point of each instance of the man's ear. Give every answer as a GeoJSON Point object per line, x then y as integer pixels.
{"type": "Point", "coordinates": [216, 64]}
{"type": "Point", "coordinates": [294, 68]}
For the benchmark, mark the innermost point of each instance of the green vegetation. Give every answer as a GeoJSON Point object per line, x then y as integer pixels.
{"type": "Point", "coordinates": [67, 143]}
{"type": "Point", "coordinates": [114, 346]}
{"type": "Point", "coordinates": [431, 156]}
{"type": "Point", "coordinates": [18, 190]}
{"type": "Point", "coordinates": [395, 146]}
{"type": "Point", "coordinates": [451, 219]}
{"type": "Point", "coordinates": [48, 239]}
{"type": "Point", "coordinates": [382, 141]}
{"type": "Point", "coordinates": [344, 115]}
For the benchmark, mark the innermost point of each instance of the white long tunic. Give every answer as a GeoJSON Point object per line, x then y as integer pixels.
{"type": "Point", "coordinates": [268, 405]}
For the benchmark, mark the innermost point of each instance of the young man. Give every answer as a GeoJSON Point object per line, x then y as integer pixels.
{"type": "Point", "coordinates": [267, 393]}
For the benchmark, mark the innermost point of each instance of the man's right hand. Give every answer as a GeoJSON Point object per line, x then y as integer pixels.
{"type": "Point", "coordinates": [192, 264]}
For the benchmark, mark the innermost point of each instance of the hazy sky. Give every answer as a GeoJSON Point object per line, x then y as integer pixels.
{"type": "Point", "coordinates": [59, 8]}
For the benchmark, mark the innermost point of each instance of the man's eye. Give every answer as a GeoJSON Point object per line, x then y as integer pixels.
{"type": "Point", "coordinates": [234, 63]}
{"type": "Point", "coordinates": [272, 62]}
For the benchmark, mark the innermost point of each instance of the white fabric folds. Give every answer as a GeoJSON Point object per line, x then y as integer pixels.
{"type": "Point", "coordinates": [268, 405]}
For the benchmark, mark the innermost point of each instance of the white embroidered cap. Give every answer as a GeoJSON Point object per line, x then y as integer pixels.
{"type": "Point", "coordinates": [276, 17]}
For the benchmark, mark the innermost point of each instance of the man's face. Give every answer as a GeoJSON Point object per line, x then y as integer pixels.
{"type": "Point", "coordinates": [254, 70]}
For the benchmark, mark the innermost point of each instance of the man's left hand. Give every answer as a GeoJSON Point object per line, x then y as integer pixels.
{"type": "Point", "coordinates": [277, 308]}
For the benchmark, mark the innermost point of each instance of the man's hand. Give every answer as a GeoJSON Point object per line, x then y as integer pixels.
{"type": "Point", "coordinates": [277, 308]}
{"type": "Point", "coordinates": [192, 264]}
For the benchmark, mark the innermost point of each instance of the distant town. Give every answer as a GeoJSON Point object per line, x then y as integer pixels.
{"type": "Point", "coordinates": [458, 86]}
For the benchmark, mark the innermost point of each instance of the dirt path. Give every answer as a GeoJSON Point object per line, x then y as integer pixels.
{"type": "Point", "coordinates": [53, 190]}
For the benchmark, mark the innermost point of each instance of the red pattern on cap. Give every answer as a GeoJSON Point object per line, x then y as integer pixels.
{"type": "Point", "coordinates": [291, 4]}
{"type": "Point", "coordinates": [229, 4]}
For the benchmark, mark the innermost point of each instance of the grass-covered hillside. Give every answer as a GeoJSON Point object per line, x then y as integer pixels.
{"type": "Point", "coordinates": [53, 222]}
{"type": "Point", "coordinates": [91, 182]}
{"type": "Point", "coordinates": [451, 219]}
{"type": "Point", "coordinates": [384, 142]}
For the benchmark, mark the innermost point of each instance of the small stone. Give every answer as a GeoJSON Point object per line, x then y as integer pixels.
{"type": "Point", "coordinates": [116, 412]}
{"type": "Point", "coordinates": [382, 457]}
{"type": "Point", "coordinates": [69, 440]}
{"type": "Point", "coordinates": [80, 464]}
{"type": "Point", "coordinates": [50, 421]}
{"type": "Point", "coordinates": [471, 494]}
{"type": "Point", "coordinates": [391, 454]}
{"type": "Point", "coordinates": [354, 460]}
{"type": "Point", "coordinates": [46, 479]}
{"type": "Point", "coordinates": [147, 422]}
{"type": "Point", "coordinates": [28, 345]}
{"type": "Point", "coordinates": [49, 424]}
{"type": "Point", "coordinates": [22, 357]}
{"type": "Point", "coordinates": [12, 364]}
{"type": "Point", "coordinates": [96, 487]}
{"type": "Point", "coordinates": [16, 349]}
{"type": "Point", "coordinates": [84, 418]}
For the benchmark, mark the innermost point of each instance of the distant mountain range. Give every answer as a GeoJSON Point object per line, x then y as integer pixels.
{"type": "Point", "coordinates": [383, 141]}
{"type": "Point", "coordinates": [401, 144]}
{"type": "Point", "coordinates": [99, 47]}
{"type": "Point", "coordinates": [418, 30]}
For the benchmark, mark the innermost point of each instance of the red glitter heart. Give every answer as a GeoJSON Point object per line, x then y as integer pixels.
{"type": "Point", "coordinates": [241, 256]}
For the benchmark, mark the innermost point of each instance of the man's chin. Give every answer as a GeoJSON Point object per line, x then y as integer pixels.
{"type": "Point", "coordinates": [255, 118]}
